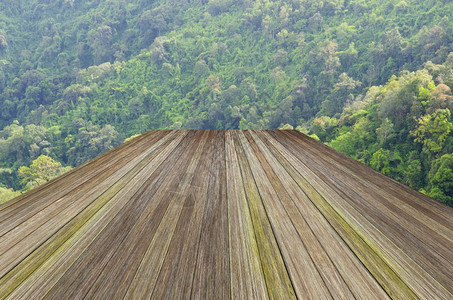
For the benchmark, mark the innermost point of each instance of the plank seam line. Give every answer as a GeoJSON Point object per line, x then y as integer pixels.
{"type": "Point", "coordinates": [228, 135]}
{"type": "Point", "coordinates": [226, 208]}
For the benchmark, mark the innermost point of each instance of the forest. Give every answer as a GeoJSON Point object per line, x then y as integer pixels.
{"type": "Point", "coordinates": [371, 79]}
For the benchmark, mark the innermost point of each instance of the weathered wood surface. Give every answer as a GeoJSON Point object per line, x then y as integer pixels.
{"type": "Point", "coordinates": [225, 214]}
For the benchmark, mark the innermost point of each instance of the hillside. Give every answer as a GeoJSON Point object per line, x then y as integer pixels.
{"type": "Point", "coordinates": [77, 77]}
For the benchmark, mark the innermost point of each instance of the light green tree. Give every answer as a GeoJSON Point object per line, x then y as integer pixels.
{"type": "Point", "coordinates": [7, 194]}
{"type": "Point", "coordinates": [42, 169]}
{"type": "Point", "coordinates": [286, 127]}
{"type": "Point", "coordinates": [432, 130]}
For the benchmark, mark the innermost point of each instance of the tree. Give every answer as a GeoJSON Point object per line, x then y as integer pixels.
{"type": "Point", "coordinates": [3, 42]}
{"type": "Point", "coordinates": [413, 174]}
{"type": "Point", "coordinates": [101, 39]}
{"type": "Point", "coordinates": [91, 140]}
{"type": "Point", "coordinates": [441, 179]}
{"type": "Point", "coordinates": [216, 7]}
{"type": "Point", "coordinates": [432, 130]}
{"type": "Point", "coordinates": [42, 170]}
{"type": "Point", "coordinates": [7, 194]}
{"type": "Point", "coordinates": [400, 97]}
{"type": "Point", "coordinates": [385, 131]}
{"type": "Point", "coordinates": [158, 51]}
{"type": "Point", "coordinates": [323, 127]}
{"type": "Point", "coordinates": [342, 91]}
{"type": "Point", "coordinates": [328, 54]}
{"type": "Point", "coordinates": [392, 43]}
{"type": "Point", "coordinates": [348, 56]}
{"type": "Point", "coordinates": [152, 23]}
{"type": "Point", "coordinates": [380, 161]}
{"type": "Point", "coordinates": [440, 98]}
{"type": "Point", "coordinates": [345, 143]}
{"type": "Point", "coordinates": [286, 127]}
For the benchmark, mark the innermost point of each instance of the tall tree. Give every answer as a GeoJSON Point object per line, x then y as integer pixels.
{"type": "Point", "coordinates": [432, 131]}
{"type": "Point", "coordinates": [42, 170]}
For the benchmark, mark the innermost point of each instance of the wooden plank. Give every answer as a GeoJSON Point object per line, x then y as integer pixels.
{"type": "Point", "coordinates": [176, 274]}
{"type": "Point", "coordinates": [402, 266]}
{"type": "Point", "coordinates": [23, 247]}
{"type": "Point", "coordinates": [350, 232]}
{"type": "Point", "coordinates": [145, 279]}
{"type": "Point", "coordinates": [212, 273]}
{"type": "Point", "coordinates": [48, 274]}
{"type": "Point", "coordinates": [352, 271]}
{"type": "Point", "coordinates": [247, 278]}
{"type": "Point", "coordinates": [278, 284]}
{"type": "Point", "coordinates": [37, 202]}
{"type": "Point", "coordinates": [26, 267]}
{"type": "Point", "coordinates": [409, 232]}
{"type": "Point", "coordinates": [306, 277]}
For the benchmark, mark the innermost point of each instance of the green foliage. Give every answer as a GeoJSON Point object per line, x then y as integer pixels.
{"type": "Point", "coordinates": [345, 143]}
{"type": "Point", "coordinates": [286, 127]}
{"type": "Point", "coordinates": [79, 76]}
{"type": "Point", "coordinates": [418, 150]}
{"type": "Point", "coordinates": [441, 179]}
{"type": "Point", "coordinates": [385, 132]}
{"type": "Point", "coordinates": [131, 137]}
{"type": "Point", "coordinates": [380, 161]}
{"type": "Point", "coordinates": [413, 174]}
{"type": "Point", "coordinates": [432, 130]}
{"type": "Point", "coordinates": [324, 127]}
{"type": "Point", "coordinates": [400, 97]}
{"type": "Point", "coordinates": [7, 194]}
{"type": "Point", "coordinates": [42, 169]}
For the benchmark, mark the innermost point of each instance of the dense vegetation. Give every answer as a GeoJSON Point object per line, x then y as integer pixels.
{"type": "Point", "coordinates": [372, 79]}
{"type": "Point", "coordinates": [402, 129]}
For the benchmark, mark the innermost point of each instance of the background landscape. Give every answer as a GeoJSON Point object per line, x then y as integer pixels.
{"type": "Point", "coordinates": [371, 79]}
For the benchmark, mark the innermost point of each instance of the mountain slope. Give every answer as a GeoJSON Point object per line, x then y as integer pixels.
{"type": "Point", "coordinates": [80, 76]}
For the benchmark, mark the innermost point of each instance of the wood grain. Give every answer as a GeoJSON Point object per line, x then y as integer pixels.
{"type": "Point", "coordinates": [225, 214]}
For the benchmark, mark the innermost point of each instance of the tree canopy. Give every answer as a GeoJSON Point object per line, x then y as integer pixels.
{"type": "Point", "coordinates": [78, 77]}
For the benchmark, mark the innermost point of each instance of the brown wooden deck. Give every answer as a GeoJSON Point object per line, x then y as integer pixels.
{"type": "Point", "coordinates": [225, 214]}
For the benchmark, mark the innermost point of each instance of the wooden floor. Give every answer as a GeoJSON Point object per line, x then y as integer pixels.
{"type": "Point", "coordinates": [225, 214]}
